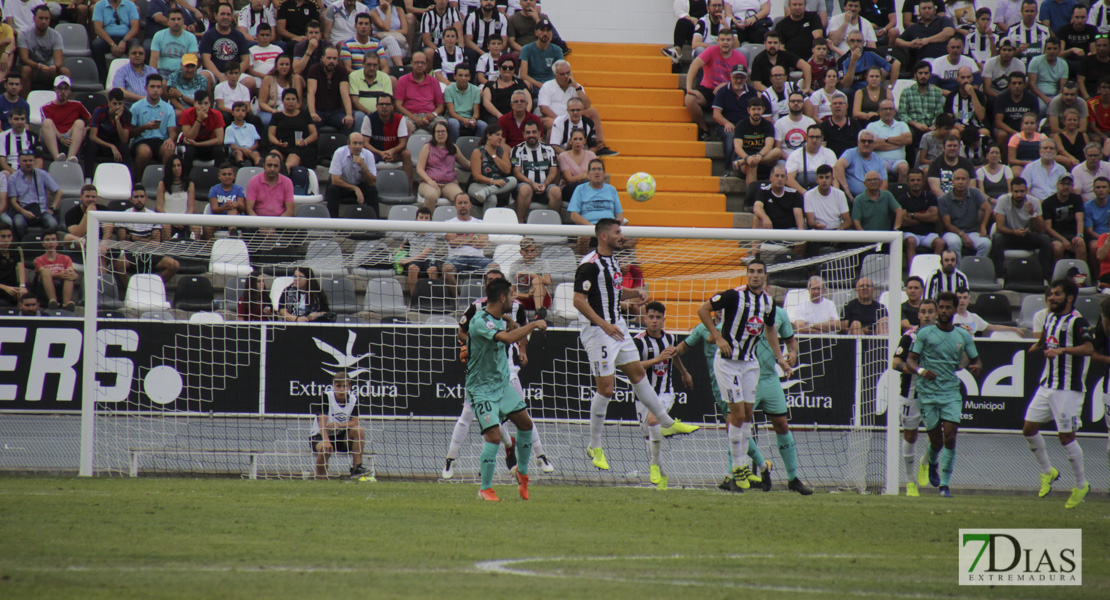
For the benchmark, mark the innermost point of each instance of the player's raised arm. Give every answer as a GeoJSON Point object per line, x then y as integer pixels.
{"type": "Point", "coordinates": [705, 313]}
{"type": "Point", "coordinates": [514, 336]}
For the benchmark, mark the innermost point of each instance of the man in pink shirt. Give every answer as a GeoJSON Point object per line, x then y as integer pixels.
{"type": "Point", "coordinates": [270, 194]}
{"type": "Point", "coordinates": [716, 64]}
{"type": "Point", "coordinates": [418, 95]}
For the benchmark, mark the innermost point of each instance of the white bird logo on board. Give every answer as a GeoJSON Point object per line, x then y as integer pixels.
{"type": "Point", "coordinates": [343, 360]}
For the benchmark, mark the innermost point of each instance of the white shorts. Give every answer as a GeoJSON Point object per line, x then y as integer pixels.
{"type": "Point", "coordinates": [642, 411]}
{"type": "Point", "coordinates": [911, 413]}
{"type": "Point", "coordinates": [606, 353]}
{"type": "Point", "coordinates": [922, 240]}
{"type": "Point", "coordinates": [1061, 405]}
{"type": "Point", "coordinates": [737, 379]}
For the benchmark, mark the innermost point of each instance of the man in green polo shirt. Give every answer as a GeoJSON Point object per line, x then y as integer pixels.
{"type": "Point", "coordinates": [875, 209]}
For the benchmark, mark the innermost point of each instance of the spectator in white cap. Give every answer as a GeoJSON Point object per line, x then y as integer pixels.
{"type": "Point", "coordinates": [64, 121]}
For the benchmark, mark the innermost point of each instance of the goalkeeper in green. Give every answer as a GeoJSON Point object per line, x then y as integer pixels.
{"type": "Point", "coordinates": [489, 390]}
{"type": "Point", "coordinates": [700, 336]}
{"type": "Point", "coordinates": [936, 356]}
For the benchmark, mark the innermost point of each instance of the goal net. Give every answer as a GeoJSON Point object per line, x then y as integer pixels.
{"type": "Point", "coordinates": [197, 371]}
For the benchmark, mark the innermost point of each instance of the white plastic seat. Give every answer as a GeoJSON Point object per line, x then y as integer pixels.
{"type": "Point", "coordinates": [502, 215]}
{"type": "Point", "coordinates": [230, 258]}
{"type": "Point", "coordinates": [115, 65]}
{"type": "Point", "coordinates": [505, 255]}
{"type": "Point", "coordinates": [206, 317]}
{"type": "Point", "coordinates": [1004, 335]}
{"type": "Point", "coordinates": [113, 181]}
{"type": "Point", "coordinates": [38, 99]}
{"type": "Point", "coordinates": [563, 302]}
{"type": "Point", "coordinates": [794, 301]}
{"type": "Point", "coordinates": [314, 196]}
{"type": "Point", "coordinates": [900, 86]}
{"type": "Point", "coordinates": [146, 293]}
{"type": "Point", "coordinates": [277, 288]}
{"type": "Point", "coordinates": [924, 265]}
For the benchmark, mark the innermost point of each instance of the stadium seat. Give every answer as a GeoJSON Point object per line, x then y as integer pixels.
{"type": "Point", "coordinates": [875, 266]}
{"type": "Point", "coordinates": [325, 257]}
{"type": "Point", "coordinates": [980, 274]}
{"type": "Point", "coordinates": [1029, 306]}
{"type": "Point", "coordinates": [233, 289]}
{"type": "Point", "coordinates": [113, 181]}
{"type": "Point", "coordinates": [117, 205]}
{"type": "Point", "coordinates": [312, 211]}
{"type": "Point", "coordinates": [470, 289]}
{"type": "Point", "coordinates": [69, 176]}
{"type": "Point", "coordinates": [393, 188]}
{"type": "Point", "coordinates": [900, 86]}
{"type": "Point", "coordinates": [506, 255]}
{"type": "Point", "coordinates": [1024, 275]}
{"type": "Point", "coordinates": [546, 216]}
{"type": "Point", "coordinates": [152, 175]}
{"type": "Point", "coordinates": [994, 308]}
{"type": "Point", "coordinates": [114, 66]}
{"type": "Point", "coordinates": [90, 100]}
{"type": "Point", "coordinates": [416, 142]}
{"type": "Point", "coordinates": [108, 314]}
{"type": "Point", "coordinates": [924, 265]}
{"type": "Point", "coordinates": [1064, 265]}
{"type": "Point", "coordinates": [146, 292]}
{"type": "Point", "coordinates": [244, 175]}
{"type": "Point", "coordinates": [206, 318]}
{"type": "Point", "coordinates": [230, 258]}
{"type": "Point", "coordinates": [31, 244]}
{"type": "Point", "coordinates": [341, 294]}
{"type": "Point", "coordinates": [313, 196]}
{"type": "Point", "coordinates": [752, 191]}
{"type": "Point", "coordinates": [1090, 307]}
{"type": "Point", "coordinates": [442, 320]}
{"type": "Point", "coordinates": [203, 178]}
{"type": "Point", "coordinates": [194, 293]}
{"type": "Point", "coordinates": [794, 300]}
{"type": "Point", "coordinates": [66, 205]}
{"type": "Point", "coordinates": [402, 213]}
{"type": "Point", "coordinates": [884, 299]}
{"type": "Point", "coordinates": [327, 144]}
{"type": "Point", "coordinates": [360, 211]}
{"type": "Point", "coordinates": [35, 101]}
{"type": "Point", "coordinates": [108, 296]}
{"type": "Point", "coordinates": [504, 216]}
{"type": "Point", "coordinates": [562, 303]}
{"type": "Point", "coordinates": [467, 144]}
{"type": "Point", "coordinates": [277, 288]}
{"type": "Point", "coordinates": [1004, 335]}
{"type": "Point", "coordinates": [83, 72]}
{"type": "Point", "coordinates": [75, 39]}
{"type": "Point", "coordinates": [385, 297]}
{"type": "Point", "coordinates": [444, 213]}
{"type": "Point", "coordinates": [432, 296]}
{"type": "Point", "coordinates": [157, 315]}
{"type": "Point", "coordinates": [372, 259]}
{"type": "Point", "coordinates": [561, 263]}
{"type": "Point", "coordinates": [750, 51]}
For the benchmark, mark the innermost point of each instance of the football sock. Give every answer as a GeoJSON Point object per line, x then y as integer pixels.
{"type": "Point", "coordinates": [537, 445]}
{"type": "Point", "coordinates": [598, 406]}
{"type": "Point", "coordinates": [489, 464]}
{"type": "Point", "coordinates": [523, 450]}
{"type": "Point", "coordinates": [458, 435]}
{"type": "Point", "coordinates": [909, 456]}
{"type": "Point", "coordinates": [745, 435]}
{"type": "Point", "coordinates": [931, 454]}
{"type": "Point", "coordinates": [1036, 444]}
{"type": "Point", "coordinates": [1075, 457]}
{"type": "Point", "coordinates": [789, 454]}
{"type": "Point", "coordinates": [947, 462]}
{"type": "Point", "coordinates": [754, 453]}
{"type": "Point", "coordinates": [655, 442]}
{"type": "Point", "coordinates": [646, 394]}
{"type": "Point", "coordinates": [735, 440]}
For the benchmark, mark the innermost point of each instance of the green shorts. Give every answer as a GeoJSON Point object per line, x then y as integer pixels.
{"type": "Point", "coordinates": [769, 396]}
{"type": "Point", "coordinates": [491, 410]}
{"type": "Point", "coordinates": [932, 413]}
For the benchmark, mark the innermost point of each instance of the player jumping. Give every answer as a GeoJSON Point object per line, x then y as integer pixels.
{"type": "Point", "coordinates": [1067, 346]}
{"type": "Point", "coordinates": [336, 428]}
{"type": "Point", "coordinates": [488, 389]}
{"type": "Point", "coordinates": [657, 350]}
{"type": "Point", "coordinates": [518, 357]}
{"type": "Point", "coordinates": [748, 311]}
{"type": "Point", "coordinates": [1102, 356]}
{"type": "Point", "coordinates": [911, 408]}
{"type": "Point", "coordinates": [598, 291]}
{"type": "Point", "coordinates": [935, 356]}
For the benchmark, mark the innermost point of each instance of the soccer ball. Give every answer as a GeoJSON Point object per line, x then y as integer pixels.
{"type": "Point", "coordinates": [641, 187]}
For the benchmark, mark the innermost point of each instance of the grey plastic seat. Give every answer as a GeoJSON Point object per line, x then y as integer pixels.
{"type": "Point", "coordinates": [313, 211]}
{"type": "Point", "coordinates": [467, 144]}
{"type": "Point", "coordinates": [325, 257]}
{"type": "Point", "coordinates": [1029, 307]}
{"type": "Point", "coordinates": [546, 216]}
{"type": "Point", "coordinates": [1090, 307]}
{"type": "Point", "coordinates": [75, 39]}
{"type": "Point", "coordinates": [385, 297]}
{"type": "Point", "coordinates": [83, 73]}
{"type": "Point", "coordinates": [1066, 264]}
{"type": "Point", "coordinates": [394, 188]}
{"type": "Point", "coordinates": [341, 294]}
{"type": "Point", "coordinates": [980, 274]}
{"type": "Point", "coordinates": [561, 262]}
{"type": "Point", "coordinates": [153, 174]}
{"type": "Point", "coordinates": [402, 213]}
{"type": "Point", "coordinates": [69, 176]}
{"type": "Point", "coordinates": [444, 213]}
{"type": "Point", "coordinates": [243, 177]}
{"type": "Point", "coordinates": [372, 252]}
{"type": "Point", "coordinates": [875, 267]}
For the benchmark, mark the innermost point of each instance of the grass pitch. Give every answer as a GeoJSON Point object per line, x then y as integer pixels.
{"type": "Point", "coordinates": [217, 538]}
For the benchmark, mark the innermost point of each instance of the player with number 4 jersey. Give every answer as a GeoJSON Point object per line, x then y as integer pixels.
{"type": "Point", "coordinates": [598, 292]}
{"type": "Point", "coordinates": [1067, 346]}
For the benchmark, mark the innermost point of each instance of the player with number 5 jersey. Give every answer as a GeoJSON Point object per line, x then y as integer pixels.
{"type": "Point", "coordinates": [598, 291]}
{"type": "Point", "coordinates": [748, 312]}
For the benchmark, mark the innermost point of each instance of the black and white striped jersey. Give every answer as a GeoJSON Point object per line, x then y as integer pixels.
{"type": "Point", "coordinates": [1099, 16]}
{"type": "Point", "coordinates": [562, 128]}
{"type": "Point", "coordinates": [337, 413]}
{"type": "Point", "coordinates": [13, 144]}
{"type": "Point", "coordinates": [1035, 36]}
{"type": "Point", "coordinates": [599, 278]}
{"type": "Point", "coordinates": [908, 387]}
{"type": "Point", "coordinates": [659, 374]}
{"type": "Point", "coordinates": [535, 163]}
{"type": "Point", "coordinates": [978, 46]}
{"type": "Point", "coordinates": [745, 315]}
{"type": "Point", "coordinates": [435, 24]}
{"type": "Point", "coordinates": [945, 282]}
{"type": "Point", "coordinates": [483, 30]}
{"type": "Point", "coordinates": [1066, 372]}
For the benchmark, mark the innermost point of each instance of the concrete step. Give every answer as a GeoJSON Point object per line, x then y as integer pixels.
{"type": "Point", "coordinates": [591, 78]}
{"type": "Point", "coordinates": [659, 166]}
{"type": "Point", "coordinates": [642, 97]}
{"type": "Point", "coordinates": [625, 112]}
{"type": "Point", "coordinates": [670, 183]}
{"type": "Point", "coordinates": [657, 148]}
{"type": "Point", "coordinates": [639, 130]}
{"type": "Point", "coordinates": [666, 218]}
{"type": "Point", "coordinates": [622, 50]}
{"type": "Point", "coordinates": [637, 64]}
{"type": "Point", "coordinates": [676, 201]}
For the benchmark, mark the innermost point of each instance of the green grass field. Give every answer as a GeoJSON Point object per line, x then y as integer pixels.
{"type": "Point", "coordinates": [218, 538]}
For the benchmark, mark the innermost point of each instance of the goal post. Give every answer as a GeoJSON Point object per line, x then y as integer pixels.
{"type": "Point", "coordinates": [220, 396]}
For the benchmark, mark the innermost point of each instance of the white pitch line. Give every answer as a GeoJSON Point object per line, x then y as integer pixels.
{"type": "Point", "coordinates": [506, 567]}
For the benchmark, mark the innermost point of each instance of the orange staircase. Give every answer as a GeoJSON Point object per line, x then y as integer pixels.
{"type": "Point", "coordinates": [643, 118]}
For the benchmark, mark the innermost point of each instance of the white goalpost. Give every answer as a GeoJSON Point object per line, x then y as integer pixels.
{"type": "Point", "coordinates": [175, 386]}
